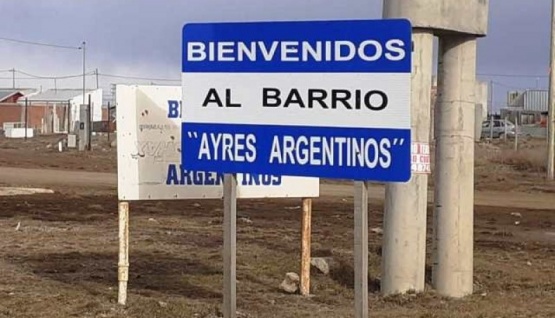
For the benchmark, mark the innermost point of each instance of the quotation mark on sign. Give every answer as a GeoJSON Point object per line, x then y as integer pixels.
{"type": "Point", "coordinates": [397, 141]}
{"type": "Point", "coordinates": [192, 134]}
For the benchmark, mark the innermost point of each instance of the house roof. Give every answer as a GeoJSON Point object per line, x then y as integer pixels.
{"type": "Point", "coordinates": [7, 93]}
{"type": "Point", "coordinates": [57, 95]}
{"type": "Point", "coordinates": [23, 90]}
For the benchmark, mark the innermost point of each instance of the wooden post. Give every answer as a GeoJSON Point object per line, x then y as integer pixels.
{"type": "Point", "coordinates": [230, 245]}
{"type": "Point", "coordinates": [361, 249]}
{"type": "Point", "coordinates": [123, 263]}
{"type": "Point", "coordinates": [109, 122]}
{"type": "Point", "coordinates": [517, 118]}
{"type": "Point", "coordinates": [69, 117]}
{"type": "Point", "coordinates": [306, 230]}
{"type": "Point", "coordinates": [90, 122]}
{"type": "Point", "coordinates": [26, 116]}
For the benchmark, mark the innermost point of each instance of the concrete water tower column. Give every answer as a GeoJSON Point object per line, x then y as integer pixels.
{"type": "Point", "coordinates": [404, 240]}
{"type": "Point", "coordinates": [457, 24]}
{"type": "Point", "coordinates": [452, 270]}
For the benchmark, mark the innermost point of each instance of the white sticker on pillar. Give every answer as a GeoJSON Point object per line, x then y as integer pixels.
{"type": "Point", "coordinates": [421, 162]}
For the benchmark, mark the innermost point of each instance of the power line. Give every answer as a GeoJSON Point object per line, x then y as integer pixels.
{"type": "Point", "coordinates": [39, 77]}
{"type": "Point", "coordinates": [95, 73]}
{"type": "Point", "coordinates": [140, 78]}
{"type": "Point", "coordinates": [176, 80]}
{"type": "Point", "coordinates": [41, 44]}
{"type": "Point", "coordinates": [25, 78]}
{"type": "Point", "coordinates": [35, 79]}
{"type": "Point", "coordinates": [53, 77]}
{"type": "Point", "coordinates": [91, 73]}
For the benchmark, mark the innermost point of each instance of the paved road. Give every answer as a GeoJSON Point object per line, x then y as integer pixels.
{"type": "Point", "coordinates": [61, 179]}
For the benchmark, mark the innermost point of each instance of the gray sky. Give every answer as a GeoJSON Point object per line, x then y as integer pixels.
{"type": "Point", "coordinates": [143, 37]}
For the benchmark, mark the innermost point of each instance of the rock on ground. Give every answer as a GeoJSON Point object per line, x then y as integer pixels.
{"type": "Point", "coordinates": [291, 283]}
{"type": "Point", "coordinates": [322, 264]}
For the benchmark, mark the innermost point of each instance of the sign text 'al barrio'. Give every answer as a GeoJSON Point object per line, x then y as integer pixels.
{"type": "Point", "coordinates": [321, 98]}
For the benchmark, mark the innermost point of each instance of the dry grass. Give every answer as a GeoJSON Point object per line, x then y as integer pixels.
{"type": "Point", "coordinates": [530, 156]}
{"type": "Point", "coordinates": [484, 153]}
{"type": "Point", "coordinates": [176, 266]}
{"type": "Point", "coordinates": [63, 260]}
{"type": "Point", "coordinates": [530, 160]}
{"type": "Point", "coordinates": [498, 167]}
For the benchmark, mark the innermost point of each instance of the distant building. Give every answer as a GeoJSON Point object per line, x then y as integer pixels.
{"type": "Point", "coordinates": [50, 111]}
{"type": "Point", "coordinates": [530, 106]}
{"type": "Point", "coordinates": [10, 110]}
{"type": "Point", "coordinates": [10, 95]}
{"type": "Point", "coordinates": [58, 110]}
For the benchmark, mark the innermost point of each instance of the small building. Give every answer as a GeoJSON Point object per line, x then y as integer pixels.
{"type": "Point", "coordinates": [530, 106]}
{"type": "Point", "coordinates": [11, 113]}
{"type": "Point", "coordinates": [10, 95]}
{"type": "Point", "coordinates": [58, 110]}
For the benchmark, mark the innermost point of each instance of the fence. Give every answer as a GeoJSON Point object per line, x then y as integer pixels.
{"type": "Point", "coordinates": [43, 118]}
{"type": "Point", "coordinates": [48, 117]}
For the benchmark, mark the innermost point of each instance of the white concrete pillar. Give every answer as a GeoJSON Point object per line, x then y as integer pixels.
{"type": "Point", "coordinates": [454, 167]}
{"type": "Point", "coordinates": [404, 240]}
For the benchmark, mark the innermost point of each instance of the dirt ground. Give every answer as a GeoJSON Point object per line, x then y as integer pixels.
{"type": "Point", "coordinates": [42, 152]}
{"type": "Point", "coordinates": [58, 253]}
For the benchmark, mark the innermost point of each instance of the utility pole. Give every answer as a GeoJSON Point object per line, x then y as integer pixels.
{"type": "Point", "coordinates": [89, 124]}
{"type": "Point", "coordinates": [13, 78]}
{"type": "Point", "coordinates": [491, 114]}
{"type": "Point", "coordinates": [83, 47]}
{"type": "Point", "coordinates": [26, 116]}
{"type": "Point", "coordinates": [551, 122]}
{"type": "Point", "coordinates": [96, 73]}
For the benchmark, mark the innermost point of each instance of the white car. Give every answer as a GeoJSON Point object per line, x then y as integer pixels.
{"type": "Point", "coordinates": [500, 128]}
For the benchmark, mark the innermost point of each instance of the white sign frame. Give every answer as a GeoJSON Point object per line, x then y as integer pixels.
{"type": "Point", "coordinates": [149, 155]}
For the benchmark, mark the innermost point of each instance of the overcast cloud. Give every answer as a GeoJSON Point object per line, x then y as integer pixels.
{"type": "Point", "coordinates": [143, 37]}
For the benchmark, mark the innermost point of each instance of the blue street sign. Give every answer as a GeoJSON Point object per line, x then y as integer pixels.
{"type": "Point", "coordinates": [324, 99]}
